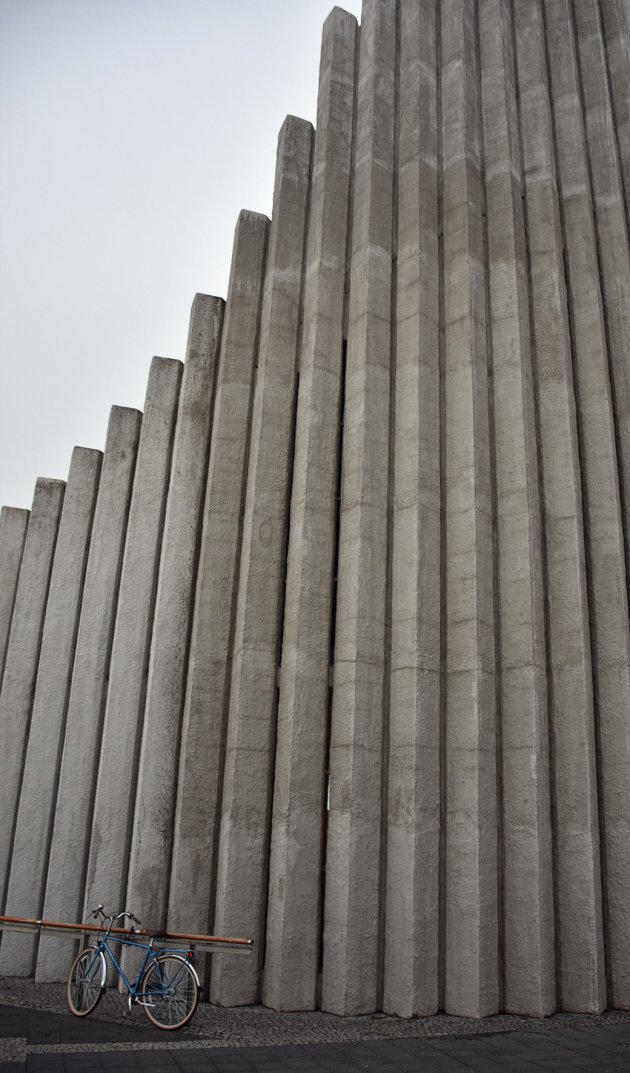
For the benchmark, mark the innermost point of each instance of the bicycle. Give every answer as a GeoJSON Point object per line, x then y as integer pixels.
{"type": "Point", "coordinates": [167, 985]}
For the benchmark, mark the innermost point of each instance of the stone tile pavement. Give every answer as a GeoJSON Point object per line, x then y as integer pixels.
{"type": "Point", "coordinates": [38, 1036]}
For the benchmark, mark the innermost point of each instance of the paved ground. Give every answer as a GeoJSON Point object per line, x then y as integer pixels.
{"type": "Point", "coordinates": [36, 1037]}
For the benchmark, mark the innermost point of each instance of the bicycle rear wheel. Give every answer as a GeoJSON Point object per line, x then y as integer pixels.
{"type": "Point", "coordinates": [86, 981]}
{"type": "Point", "coordinates": [170, 991]}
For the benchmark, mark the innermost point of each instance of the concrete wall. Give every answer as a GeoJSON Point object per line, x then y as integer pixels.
{"type": "Point", "coordinates": [336, 653]}
{"type": "Point", "coordinates": [13, 525]}
{"type": "Point", "coordinates": [31, 844]}
{"type": "Point", "coordinates": [71, 822]}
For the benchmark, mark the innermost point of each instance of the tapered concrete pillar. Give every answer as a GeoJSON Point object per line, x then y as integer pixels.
{"type": "Point", "coordinates": [151, 844]}
{"type": "Point", "coordinates": [294, 911]}
{"type": "Point", "coordinates": [616, 27]}
{"type": "Point", "coordinates": [122, 727]}
{"type": "Point", "coordinates": [13, 526]}
{"type": "Point", "coordinates": [33, 831]}
{"type": "Point", "coordinates": [612, 226]}
{"type": "Point", "coordinates": [528, 926]}
{"type": "Point", "coordinates": [413, 818]}
{"type": "Point", "coordinates": [352, 901]}
{"type": "Point", "coordinates": [20, 669]}
{"type": "Point", "coordinates": [471, 961]}
{"type": "Point", "coordinates": [613, 648]}
{"type": "Point", "coordinates": [73, 813]}
{"type": "Point", "coordinates": [202, 753]}
{"type": "Point", "coordinates": [581, 969]}
{"type": "Point", "coordinates": [568, 639]}
{"type": "Point", "coordinates": [244, 840]}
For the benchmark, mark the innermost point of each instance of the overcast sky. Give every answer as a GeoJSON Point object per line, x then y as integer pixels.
{"type": "Point", "coordinates": [131, 134]}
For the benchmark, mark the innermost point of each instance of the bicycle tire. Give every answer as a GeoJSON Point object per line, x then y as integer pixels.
{"type": "Point", "coordinates": [86, 981]}
{"type": "Point", "coordinates": [170, 991]}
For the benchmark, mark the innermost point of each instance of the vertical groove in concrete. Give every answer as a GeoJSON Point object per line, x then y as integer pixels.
{"type": "Point", "coordinates": [581, 982]}
{"type": "Point", "coordinates": [568, 639]}
{"type": "Point", "coordinates": [245, 821]}
{"type": "Point", "coordinates": [197, 815]}
{"type": "Point", "coordinates": [20, 670]}
{"type": "Point", "coordinates": [616, 26]}
{"type": "Point", "coordinates": [614, 267]}
{"type": "Point", "coordinates": [471, 957]}
{"type": "Point", "coordinates": [151, 844]}
{"type": "Point", "coordinates": [351, 910]}
{"type": "Point", "coordinates": [293, 921]}
{"type": "Point", "coordinates": [13, 526]}
{"type": "Point", "coordinates": [528, 925]}
{"type": "Point", "coordinates": [413, 827]}
{"type": "Point", "coordinates": [611, 221]}
{"type": "Point", "coordinates": [31, 843]}
{"type": "Point", "coordinates": [122, 725]}
{"type": "Point", "coordinates": [73, 813]}
{"type": "Point", "coordinates": [442, 449]}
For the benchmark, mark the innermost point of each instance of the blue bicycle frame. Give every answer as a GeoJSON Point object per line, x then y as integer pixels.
{"type": "Point", "coordinates": [133, 990]}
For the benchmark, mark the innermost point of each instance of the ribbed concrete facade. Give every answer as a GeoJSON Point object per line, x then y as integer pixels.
{"type": "Point", "coordinates": [333, 650]}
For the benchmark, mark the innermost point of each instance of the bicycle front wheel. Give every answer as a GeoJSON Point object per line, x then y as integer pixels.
{"type": "Point", "coordinates": [170, 991]}
{"type": "Point", "coordinates": [86, 981]}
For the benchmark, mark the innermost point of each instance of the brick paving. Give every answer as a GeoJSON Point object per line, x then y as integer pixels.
{"type": "Point", "coordinates": [37, 1036]}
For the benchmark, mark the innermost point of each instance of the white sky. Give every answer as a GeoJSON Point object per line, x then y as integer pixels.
{"type": "Point", "coordinates": [131, 134]}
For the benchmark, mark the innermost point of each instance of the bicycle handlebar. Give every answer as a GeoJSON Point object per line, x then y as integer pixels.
{"type": "Point", "coordinates": [99, 911]}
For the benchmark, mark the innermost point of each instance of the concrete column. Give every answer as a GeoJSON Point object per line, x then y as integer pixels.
{"type": "Point", "coordinates": [352, 901]}
{"type": "Point", "coordinates": [528, 925]}
{"type": "Point", "coordinates": [202, 752]}
{"type": "Point", "coordinates": [294, 911]}
{"type": "Point", "coordinates": [114, 802]}
{"type": "Point", "coordinates": [413, 816]}
{"type": "Point", "coordinates": [568, 639]}
{"type": "Point", "coordinates": [20, 669]}
{"type": "Point", "coordinates": [73, 813]}
{"type": "Point", "coordinates": [612, 647]}
{"type": "Point", "coordinates": [244, 839]}
{"type": "Point", "coordinates": [151, 843]}
{"type": "Point", "coordinates": [616, 26]}
{"type": "Point", "coordinates": [13, 526]}
{"type": "Point", "coordinates": [581, 970]}
{"type": "Point", "coordinates": [611, 225]}
{"type": "Point", "coordinates": [31, 844]}
{"type": "Point", "coordinates": [471, 962]}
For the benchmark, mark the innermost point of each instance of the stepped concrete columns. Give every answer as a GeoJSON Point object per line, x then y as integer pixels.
{"type": "Point", "coordinates": [202, 752]}
{"type": "Point", "coordinates": [527, 873]}
{"type": "Point", "coordinates": [294, 909]}
{"type": "Point", "coordinates": [352, 901]}
{"type": "Point", "coordinates": [22, 657]}
{"type": "Point", "coordinates": [73, 813]}
{"type": "Point", "coordinates": [581, 972]}
{"type": "Point", "coordinates": [413, 815]}
{"type": "Point", "coordinates": [614, 647]}
{"type": "Point", "coordinates": [115, 797]}
{"type": "Point", "coordinates": [369, 688]}
{"type": "Point", "coordinates": [572, 752]}
{"type": "Point", "coordinates": [248, 773]}
{"type": "Point", "coordinates": [471, 955]}
{"type": "Point", "coordinates": [43, 756]}
{"type": "Point", "coordinates": [147, 886]}
{"type": "Point", "coordinates": [13, 526]}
